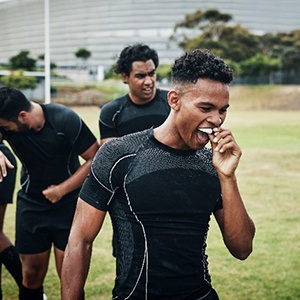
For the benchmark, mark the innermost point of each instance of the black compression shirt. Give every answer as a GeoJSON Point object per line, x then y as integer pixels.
{"type": "Point", "coordinates": [50, 156]}
{"type": "Point", "coordinates": [160, 201]}
{"type": "Point", "coordinates": [122, 116]}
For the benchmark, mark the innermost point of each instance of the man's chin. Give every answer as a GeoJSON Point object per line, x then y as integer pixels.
{"type": "Point", "coordinates": [23, 129]}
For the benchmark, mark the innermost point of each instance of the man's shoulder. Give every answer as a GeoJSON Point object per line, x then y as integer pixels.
{"type": "Point", "coordinates": [119, 150]}
{"type": "Point", "coordinates": [161, 95]}
{"type": "Point", "coordinates": [115, 104]}
{"type": "Point", "coordinates": [54, 107]}
{"type": "Point", "coordinates": [61, 116]}
{"type": "Point", "coordinates": [128, 143]}
{"type": "Point", "coordinates": [57, 111]}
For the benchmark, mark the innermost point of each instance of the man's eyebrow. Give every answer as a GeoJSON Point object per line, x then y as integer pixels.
{"type": "Point", "coordinates": [212, 105]}
{"type": "Point", "coordinates": [142, 73]}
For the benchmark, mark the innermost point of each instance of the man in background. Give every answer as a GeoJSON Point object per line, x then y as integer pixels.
{"type": "Point", "coordinates": [144, 106]}
{"type": "Point", "coordinates": [48, 139]}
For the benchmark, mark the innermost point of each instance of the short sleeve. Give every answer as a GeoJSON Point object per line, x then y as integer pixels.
{"type": "Point", "coordinates": [107, 126]}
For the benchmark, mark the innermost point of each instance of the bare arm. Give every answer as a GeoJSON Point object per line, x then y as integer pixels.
{"type": "Point", "coordinates": [86, 225]}
{"type": "Point", "coordinates": [235, 224]}
{"type": "Point", "coordinates": [55, 192]}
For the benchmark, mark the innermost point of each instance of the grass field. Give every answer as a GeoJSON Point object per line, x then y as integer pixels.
{"type": "Point", "coordinates": [269, 180]}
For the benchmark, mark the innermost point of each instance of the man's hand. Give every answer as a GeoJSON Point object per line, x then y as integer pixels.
{"type": "Point", "coordinates": [53, 193]}
{"type": "Point", "coordinates": [4, 163]}
{"type": "Point", "coordinates": [226, 152]}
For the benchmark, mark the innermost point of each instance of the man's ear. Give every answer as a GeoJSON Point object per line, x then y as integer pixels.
{"type": "Point", "coordinates": [125, 77]}
{"type": "Point", "coordinates": [174, 99]}
{"type": "Point", "coordinates": [23, 116]}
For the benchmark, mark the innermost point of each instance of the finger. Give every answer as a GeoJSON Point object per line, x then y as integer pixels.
{"type": "Point", "coordinates": [212, 143]}
{"type": "Point", "coordinates": [224, 143]}
{"type": "Point", "coordinates": [221, 134]}
{"type": "Point", "coordinates": [3, 165]}
{"type": "Point", "coordinates": [8, 163]}
{"type": "Point", "coordinates": [3, 171]}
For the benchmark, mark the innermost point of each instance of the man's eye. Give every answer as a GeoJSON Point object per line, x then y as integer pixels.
{"type": "Point", "coordinates": [205, 109]}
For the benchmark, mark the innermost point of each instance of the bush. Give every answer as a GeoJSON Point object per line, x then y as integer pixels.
{"type": "Point", "coordinates": [18, 81]}
{"type": "Point", "coordinates": [163, 72]}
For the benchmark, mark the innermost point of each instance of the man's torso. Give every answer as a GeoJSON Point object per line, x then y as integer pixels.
{"type": "Point", "coordinates": [161, 206]}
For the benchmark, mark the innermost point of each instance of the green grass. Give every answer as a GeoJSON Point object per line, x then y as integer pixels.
{"type": "Point", "coordinates": [269, 178]}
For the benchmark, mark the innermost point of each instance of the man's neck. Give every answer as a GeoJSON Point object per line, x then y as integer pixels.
{"type": "Point", "coordinates": [37, 117]}
{"type": "Point", "coordinates": [139, 101]}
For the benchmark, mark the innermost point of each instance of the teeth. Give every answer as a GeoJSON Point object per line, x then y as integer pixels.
{"type": "Point", "coordinates": [206, 130]}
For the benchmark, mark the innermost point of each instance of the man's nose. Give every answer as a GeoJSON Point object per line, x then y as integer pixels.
{"type": "Point", "coordinates": [215, 119]}
{"type": "Point", "coordinates": [148, 79]}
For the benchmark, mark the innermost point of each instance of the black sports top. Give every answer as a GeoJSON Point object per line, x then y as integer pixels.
{"type": "Point", "coordinates": [160, 201]}
{"type": "Point", "coordinates": [50, 156]}
{"type": "Point", "coordinates": [121, 116]}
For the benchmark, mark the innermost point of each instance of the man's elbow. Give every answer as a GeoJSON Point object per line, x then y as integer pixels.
{"type": "Point", "coordinates": [242, 253]}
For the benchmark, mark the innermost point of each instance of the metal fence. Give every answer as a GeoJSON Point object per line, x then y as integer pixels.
{"type": "Point", "coordinates": [275, 78]}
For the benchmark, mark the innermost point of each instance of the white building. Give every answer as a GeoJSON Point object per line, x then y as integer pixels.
{"type": "Point", "coordinates": [104, 27]}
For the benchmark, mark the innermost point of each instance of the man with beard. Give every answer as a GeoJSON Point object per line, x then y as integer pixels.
{"type": "Point", "coordinates": [144, 106]}
{"type": "Point", "coordinates": [48, 139]}
{"type": "Point", "coordinates": [161, 186]}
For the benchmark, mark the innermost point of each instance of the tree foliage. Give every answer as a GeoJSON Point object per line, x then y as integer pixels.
{"type": "Point", "coordinates": [260, 64]}
{"type": "Point", "coordinates": [249, 54]}
{"type": "Point", "coordinates": [18, 81]}
{"type": "Point", "coordinates": [285, 47]}
{"type": "Point", "coordinates": [163, 72]}
{"type": "Point", "coordinates": [83, 54]}
{"type": "Point", "coordinates": [208, 21]}
{"type": "Point", "coordinates": [52, 64]}
{"type": "Point", "coordinates": [22, 61]}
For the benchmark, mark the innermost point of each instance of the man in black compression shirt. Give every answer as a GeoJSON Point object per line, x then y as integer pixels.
{"type": "Point", "coordinates": [48, 139]}
{"type": "Point", "coordinates": [160, 187]}
{"type": "Point", "coordinates": [145, 105]}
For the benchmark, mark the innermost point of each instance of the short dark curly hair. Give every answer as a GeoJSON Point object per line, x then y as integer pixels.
{"type": "Point", "coordinates": [136, 52]}
{"type": "Point", "coordinates": [200, 63]}
{"type": "Point", "coordinates": [12, 101]}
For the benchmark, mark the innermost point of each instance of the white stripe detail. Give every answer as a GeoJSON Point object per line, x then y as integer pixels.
{"type": "Point", "coordinates": [145, 260]}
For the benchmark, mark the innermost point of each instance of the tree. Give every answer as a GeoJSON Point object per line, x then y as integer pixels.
{"type": "Point", "coordinates": [198, 23]}
{"type": "Point", "coordinates": [209, 29]}
{"type": "Point", "coordinates": [260, 64]}
{"type": "Point", "coordinates": [211, 21]}
{"type": "Point", "coordinates": [234, 43]}
{"type": "Point", "coordinates": [83, 54]}
{"type": "Point", "coordinates": [248, 54]}
{"type": "Point", "coordinates": [42, 58]}
{"type": "Point", "coordinates": [22, 61]}
{"type": "Point", "coordinates": [284, 46]}
{"type": "Point", "coordinates": [163, 72]}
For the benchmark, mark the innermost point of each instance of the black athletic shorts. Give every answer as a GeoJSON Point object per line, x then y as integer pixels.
{"type": "Point", "coordinates": [8, 184]}
{"type": "Point", "coordinates": [39, 224]}
{"type": "Point", "coordinates": [212, 295]}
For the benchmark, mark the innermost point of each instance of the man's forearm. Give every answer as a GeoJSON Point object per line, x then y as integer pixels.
{"type": "Point", "coordinates": [74, 271]}
{"type": "Point", "coordinates": [238, 228]}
